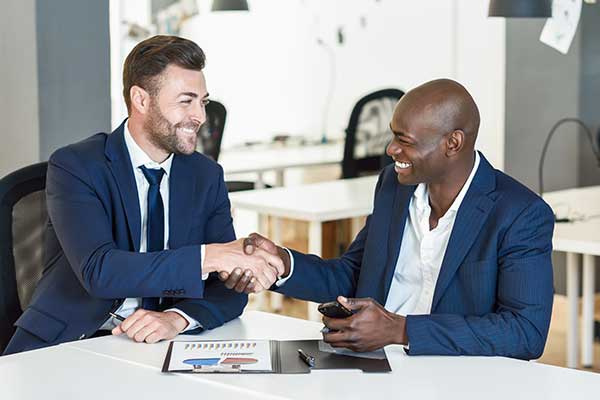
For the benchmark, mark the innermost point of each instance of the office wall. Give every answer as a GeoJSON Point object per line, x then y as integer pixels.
{"type": "Point", "coordinates": [542, 86]}
{"type": "Point", "coordinates": [73, 71]}
{"type": "Point", "coordinates": [54, 75]}
{"type": "Point", "coordinates": [480, 51]}
{"type": "Point", "coordinates": [589, 99]}
{"type": "Point", "coordinates": [267, 66]}
{"type": "Point", "coordinates": [18, 83]}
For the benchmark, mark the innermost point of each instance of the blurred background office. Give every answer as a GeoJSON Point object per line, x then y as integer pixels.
{"type": "Point", "coordinates": [289, 74]}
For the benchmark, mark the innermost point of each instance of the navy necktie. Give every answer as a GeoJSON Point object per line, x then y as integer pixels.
{"type": "Point", "coordinates": [155, 227]}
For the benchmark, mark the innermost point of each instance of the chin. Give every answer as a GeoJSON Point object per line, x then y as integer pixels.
{"type": "Point", "coordinates": [406, 180]}
{"type": "Point", "coordinates": [186, 147]}
{"type": "Point", "coordinates": [186, 150]}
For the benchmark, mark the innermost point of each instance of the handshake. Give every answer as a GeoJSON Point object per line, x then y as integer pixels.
{"type": "Point", "coordinates": [249, 265]}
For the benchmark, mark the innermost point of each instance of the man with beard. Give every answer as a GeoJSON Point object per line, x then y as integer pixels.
{"type": "Point", "coordinates": [138, 220]}
{"type": "Point", "coordinates": [455, 258]}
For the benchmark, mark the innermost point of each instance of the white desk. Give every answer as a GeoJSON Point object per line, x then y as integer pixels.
{"type": "Point", "coordinates": [262, 158]}
{"type": "Point", "coordinates": [315, 203]}
{"type": "Point", "coordinates": [411, 377]}
{"type": "Point", "coordinates": [66, 372]}
{"type": "Point", "coordinates": [582, 237]}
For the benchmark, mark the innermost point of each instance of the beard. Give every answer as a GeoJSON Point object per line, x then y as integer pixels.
{"type": "Point", "coordinates": [163, 134]}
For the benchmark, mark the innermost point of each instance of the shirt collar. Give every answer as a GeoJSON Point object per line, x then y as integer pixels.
{"type": "Point", "coordinates": [421, 194]}
{"type": "Point", "coordinates": [139, 156]}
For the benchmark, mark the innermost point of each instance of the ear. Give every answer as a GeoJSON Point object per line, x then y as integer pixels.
{"type": "Point", "coordinates": [140, 99]}
{"type": "Point", "coordinates": [455, 142]}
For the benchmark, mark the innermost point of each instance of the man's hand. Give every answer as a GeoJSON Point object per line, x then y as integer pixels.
{"type": "Point", "coordinates": [369, 329]}
{"type": "Point", "coordinates": [263, 266]}
{"type": "Point", "coordinates": [151, 326]}
{"type": "Point", "coordinates": [243, 280]}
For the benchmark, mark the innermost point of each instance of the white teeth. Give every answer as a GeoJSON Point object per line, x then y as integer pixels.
{"type": "Point", "coordinates": [402, 165]}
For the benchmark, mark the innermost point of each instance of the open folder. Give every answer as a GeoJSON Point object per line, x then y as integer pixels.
{"type": "Point", "coordinates": [260, 356]}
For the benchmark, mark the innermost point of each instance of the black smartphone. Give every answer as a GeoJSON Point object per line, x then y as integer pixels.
{"type": "Point", "coordinates": [334, 309]}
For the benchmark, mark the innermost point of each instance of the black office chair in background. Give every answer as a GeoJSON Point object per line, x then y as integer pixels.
{"type": "Point", "coordinates": [210, 136]}
{"type": "Point", "coordinates": [211, 132]}
{"type": "Point", "coordinates": [368, 133]}
{"type": "Point", "coordinates": [23, 220]}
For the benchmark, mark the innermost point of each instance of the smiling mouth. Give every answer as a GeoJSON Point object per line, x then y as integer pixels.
{"type": "Point", "coordinates": [188, 130]}
{"type": "Point", "coordinates": [402, 165]}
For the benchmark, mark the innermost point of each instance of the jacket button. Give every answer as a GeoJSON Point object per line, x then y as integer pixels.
{"type": "Point", "coordinates": [82, 336]}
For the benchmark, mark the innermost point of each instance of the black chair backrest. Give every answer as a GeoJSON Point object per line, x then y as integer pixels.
{"type": "Point", "coordinates": [368, 133]}
{"type": "Point", "coordinates": [23, 220]}
{"type": "Point", "coordinates": [211, 133]}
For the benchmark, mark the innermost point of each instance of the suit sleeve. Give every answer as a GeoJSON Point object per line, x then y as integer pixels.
{"type": "Point", "coordinates": [219, 304]}
{"type": "Point", "coordinates": [84, 230]}
{"type": "Point", "coordinates": [319, 280]}
{"type": "Point", "coordinates": [519, 326]}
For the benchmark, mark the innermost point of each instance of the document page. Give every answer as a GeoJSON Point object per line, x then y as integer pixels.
{"type": "Point", "coordinates": [221, 356]}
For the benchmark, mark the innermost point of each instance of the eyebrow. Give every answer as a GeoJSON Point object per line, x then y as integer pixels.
{"type": "Point", "coordinates": [192, 94]}
{"type": "Point", "coordinates": [404, 135]}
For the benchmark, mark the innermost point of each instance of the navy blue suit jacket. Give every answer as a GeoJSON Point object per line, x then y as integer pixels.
{"type": "Point", "coordinates": [91, 260]}
{"type": "Point", "coordinates": [494, 292]}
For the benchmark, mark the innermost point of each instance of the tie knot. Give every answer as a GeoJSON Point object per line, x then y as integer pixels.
{"type": "Point", "coordinates": [153, 176]}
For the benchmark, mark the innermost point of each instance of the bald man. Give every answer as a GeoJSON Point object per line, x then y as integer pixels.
{"type": "Point", "coordinates": [455, 258]}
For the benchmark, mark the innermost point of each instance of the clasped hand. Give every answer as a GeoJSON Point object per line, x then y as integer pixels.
{"type": "Point", "coordinates": [245, 264]}
{"type": "Point", "coordinates": [243, 279]}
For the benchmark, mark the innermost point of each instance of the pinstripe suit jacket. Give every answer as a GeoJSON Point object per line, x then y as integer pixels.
{"type": "Point", "coordinates": [494, 292]}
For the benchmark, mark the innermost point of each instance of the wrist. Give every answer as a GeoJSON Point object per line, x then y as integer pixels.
{"type": "Point", "coordinates": [285, 257]}
{"type": "Point", "coordinates": [209, 264]}
{"type": "Point", "coordinates": [401, 336]}
{"type": "Point", "coordinates": [177, 320]}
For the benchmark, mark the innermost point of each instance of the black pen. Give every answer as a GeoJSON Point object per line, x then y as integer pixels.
{"type": "Point", "coordinates": [116, 316]}
{"type": "Point", "coordinates": [308, 359]}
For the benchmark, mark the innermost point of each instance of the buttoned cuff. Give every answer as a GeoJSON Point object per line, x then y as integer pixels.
{"type": "Point", "coordinates": [192, 323]}
{"type": "Point", "coordinates": [282, 281]}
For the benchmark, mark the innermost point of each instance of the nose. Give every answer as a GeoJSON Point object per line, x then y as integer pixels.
{"type": "Point", "coordinates": [392, 149]}
{"type": "Point", "coordinates": [199, 113]}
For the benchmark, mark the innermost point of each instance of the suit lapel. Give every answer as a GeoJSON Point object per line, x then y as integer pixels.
{"type": "Point", "coordinates": [396, 232]}
{"type": "Point", "coordinates": [119, 164]}
{"type": "Point", "coordinates": [472, 215]}
{"type": "Point", "coordinates": [181, 197]}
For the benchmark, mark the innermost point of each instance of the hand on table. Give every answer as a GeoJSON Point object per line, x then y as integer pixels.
{"type": "Point", "coordinates": [151, 326]}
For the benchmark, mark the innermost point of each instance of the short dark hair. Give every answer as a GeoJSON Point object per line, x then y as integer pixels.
{"type": "Point", "coordinates": [149, 58]}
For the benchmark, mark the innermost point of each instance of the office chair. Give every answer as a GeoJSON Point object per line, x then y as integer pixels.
{"type": "Point", "coordinates": [211, 132]}
{"type": "Point", "coordinates": [368, 133]}
{"type": "Point", "coordinates": [210, 136]}
{"type": "Point", "coordinates": [23, 220]}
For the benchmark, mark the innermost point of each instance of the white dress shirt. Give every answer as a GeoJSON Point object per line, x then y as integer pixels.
{"type": "Point", "coordinates": [422, 252]}
{"type": "Point", "coordinates": [138, 158]}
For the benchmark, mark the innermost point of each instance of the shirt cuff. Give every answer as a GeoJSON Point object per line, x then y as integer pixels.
{"type": "Point", "coordinates": [282, 281]}
{"type": "Point", "coordinates": [202, 253]}
{"type": "Point", "coordinates": [192, 323]}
